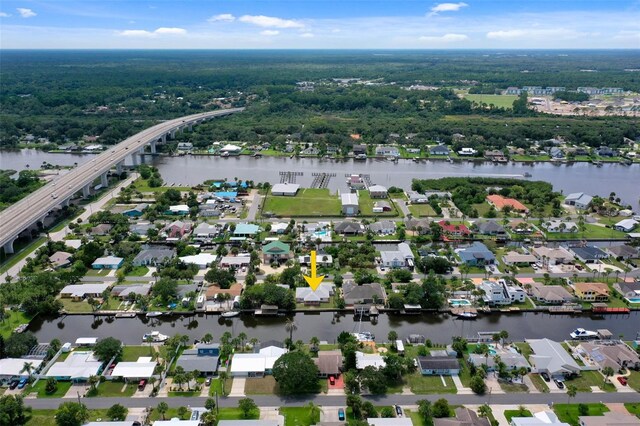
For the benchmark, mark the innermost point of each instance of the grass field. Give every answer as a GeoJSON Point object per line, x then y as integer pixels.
{"type": "Point", "coordinates": [588, 379]}
{"type": "Point", "coordinates": [39, 388]}
{"type": "Point", "coordinates": [591, 231]}
{"type": "Point", "coordinates": [235, 414]}
{"type": "Point", "coordinates": [47, 417]}
{"type": "Point", "coordinates": [500, 101]}
{"type": "Point", "coordinates": [634, 380]}
{"type": "Point", "coordinates": [12, 319]}
{"type": "Point", "coordinates": [298, 416]}
{"type": "Point", "coordinates": [113, 389]}
{"type": "Point", "coordinates": [633, 408]}
{"type": "Point", "coordinates": [138, 271]}
{"type": "Point", "coordinates": [261, 386]}
{"type": "Point", "coordinates": [420, 384]}
{"type": "Point", "coordinates": [71, 306]}
{"type": "Point", "coordinates": [308, 202]}
{"type": "Point", "coordinates": [568, 413]}
{"type": "Point", "coordinates": [366, 205]}
{"type": "Point", "coordinates": [422, 210]}
{"type": "Point", "coordinates": [172, 412]}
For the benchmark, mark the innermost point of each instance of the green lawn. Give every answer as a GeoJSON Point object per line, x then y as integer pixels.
{"type": "Point", "coordinates": [308, 202]}
{"type": "Point", "coordinates": [298, 416]}
{"type": "Point", "coordinates": [420, 384]}
{"type": "Point", "coordinates": [588, 379]}
{"type": "Point", "coordinates": [539, 383]}
{"type": "Point", "coordinates": [633, 408]}
{"type": "Point", "coordinates": [138, 271]}
{"type": "Point", "coordinates": [634, 380]}
{"type": "Point", "coordinates": [509, 414]}
{"type": "Point", "coordinates": [513, 387]}
{"type": "Point", "coordinates": [366, 205]}
{"type": "Point", "coordinates": [591, 231]}
{"type": "Point", "coordinates": [465, 374]}
{"type": "Point", "coordinates": [500, 101]}
{"type": "Point", "coordinates": [71, 306]}
{"type": "Point", "coordinates": [143, 186]}
{"type": "Point", "coordinates": [47, 417]}
{"type": "Point", "coordinates": [112, 389]}
{"type": "Point", "coordinates": [261, 386]}
{"type": "Point", "coordinates": [422, 210]}
{"type": "Point", "coordinates": [416, 418]}
{"type": "Point", "coordinates": [11, 321]}
{"type": "Point", "coordinates": [97, 272]}
{"type": "Point", "coordinates": [216, 386]}
{"type": "Point", "coordinates": [39, 388]}
{"type": "Point", "coordinates": [235, 414]}
{"type": "Point", "coordinates": [132, 353]}
{"type": "Point", "coordinates": [171, 413]}
{"type": "Point", "coordinates": [568, 413]}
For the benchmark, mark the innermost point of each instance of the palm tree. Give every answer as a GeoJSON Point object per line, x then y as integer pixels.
{"type": "Point", "coordinates": [243, 337]}
{"type": "Point", "coordinates": [254, 342]}
{"type": "Point", "coordinates": [162, 408]}
{"type": "Point", "coordinates": [27, 367]}
{"type": "Point", "coordinates": [484, 410]}
{"type": "Point", "coordinates": [223, 376]}
{"type": "Point", "coordinates": [572, 391]}
{"type": "Point", "coordinates": [209, 418]}
{"type": "Point", "coordinates": [314, 342]}
{"type": "Point", "coordinates": [607, 372]}
{"type": "Point", "coordinates": [314, 411]}
{"type": "Point", "coordinates": [207, 338]}
{"type": "Point", "coordinates": [290, 326]}
{"type": "Point", "coordinates": [93, 382]}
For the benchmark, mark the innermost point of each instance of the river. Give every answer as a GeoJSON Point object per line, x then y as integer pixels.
{"type": "Point", "coordinates": [192, 170]}
{"type": "Point", "coordinates": [438, 328]}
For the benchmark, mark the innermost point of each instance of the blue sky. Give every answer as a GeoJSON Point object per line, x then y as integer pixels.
{"type": "Point", "coordinates": [366, 24]}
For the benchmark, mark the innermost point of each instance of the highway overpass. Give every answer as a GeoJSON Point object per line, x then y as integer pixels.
{"type": "Point", "coordinates": [36, 206]}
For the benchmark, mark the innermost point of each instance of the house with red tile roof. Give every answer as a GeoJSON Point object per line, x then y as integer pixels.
{"type": "Point", "coordinates": [500, 202]}
{"type": "Point", "coordinates": [454, 229]}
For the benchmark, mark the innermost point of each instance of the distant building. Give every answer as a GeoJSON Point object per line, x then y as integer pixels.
{"type": "Point", "coordinates": [387, 151]}
{"type": "Point", "coordinates": [477, 254]}
{"type": "Point", "coordinates": [60, 259]}
{"type": "Point", "coordinates": [559, 225]}
{"type": "Point", "coordinates": [285, 189]}
{"type": "Point", "coordinates": [578, 199]}
{"type": "Point", "coordinates": [107, 262]}
{"type": "Point", "coordinates": [377, 191]}
{"type": "Point", "coordinates": [490, 227]}
{"type": "Point", "coordinates": [467, 152]}
{"type": "Point", "coordinates": [439, 150]}
{"type": "Point", "coordinates": [350, 206]}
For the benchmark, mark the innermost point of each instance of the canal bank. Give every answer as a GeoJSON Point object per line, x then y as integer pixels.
{"type": "Point", "coordinates": [439, 328]}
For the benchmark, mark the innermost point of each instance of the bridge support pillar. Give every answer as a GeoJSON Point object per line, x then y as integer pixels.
{"type": "Point", "coordinates": [173, 134]}
{"type": "Point", "coordinates": [119, 166]}
{"type": "Point", "coordinates": [152, 146]}
{"type": "Point", "coordinates": [8, 246]}
{"type": "Point", "coordinates": [164, 138]}
{"type": "Point", "coordinates": [104, 180]}
{"type": "Point", "coordinates": [66, 202]}
{"type": "Point", "coordinates": [190, 127]}
{"type": "Point", "coordinates": [134, 159]}
{"type": "Point", "coordinates": [86, 190]}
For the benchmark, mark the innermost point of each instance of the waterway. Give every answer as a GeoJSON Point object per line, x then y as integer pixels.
{"type": "Point", "coordinates": [438, 328]}
{"type": "Point", "coordinates": [192, 170]}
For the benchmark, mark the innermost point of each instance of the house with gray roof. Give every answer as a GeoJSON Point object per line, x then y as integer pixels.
{"type": "Point", "coordinates": [551, 358]}
{"type": "Point", "coordinates": [349, 202]}
{"type": "Point", "coordinates": [588, 254]}
{"type": "Point", "coordinates": [490, 227]}
{"type": "Point", "coordinates": [550, 294]}
{"type": "Point", "coordinates": [512, 360]}
{"type": "Point", "coordinates": [477, 254]}
{"type": "Point", "coordinates": [60, 259]}
{"type": "Point", "coordinates": [623, 251]}
{"type": "Point", "coordinates": [130, 291]}
{"type": "Point", "coordinates": [627, 289]}
{"type": "Point", "coordinates": [464, 417]}
{"type": "Point", "coordinates": [82, 291]}
{"type": "Point", "coordinates": [626, 225]}
{"type": "Point", "coordinates": [578, 199]}
{"type": "Point", "coordinates": [439, 150]}
{"type": "Point", "coordinates": [401, 257]}
{"type": "Point", "coordinates": [614, 354]}
{"type": "Point", "coordinates": [383, 227]}
{"type": "Point", "coordinates": [204, 358]}
{"type": "Point", "coordinates": [141, 228]}
{"type": "Point", "coordinates": [362, 294]}
{"type": "Point", "coordinates": [438, 365]}
{"type": "Point", "coordinates": [421, 226]}
{"type": "Point", "coordinates": [153, 255]}
{"type": "Point", "coordinates": [348, 227]}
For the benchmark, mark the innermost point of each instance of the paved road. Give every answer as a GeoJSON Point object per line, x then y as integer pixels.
{"type": "Point", "coordinates": [32, 208]}
{"type": "Point", "coordinates": [89, 210]}
{"type": "Point", "coordinates": [255, 205]}
{"type": "Point", "coordinates": [332, 401]}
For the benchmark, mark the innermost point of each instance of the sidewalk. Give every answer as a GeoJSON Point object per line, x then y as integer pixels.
{"type": "Point", "coordinates": [460, 387]}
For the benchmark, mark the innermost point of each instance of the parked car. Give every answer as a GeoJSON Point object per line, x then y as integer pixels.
{"type": "Point", "coordinates": [142, 384]}
{"type": "Point", "coordinates": [559, 384]}
{"type": "Point", "coordinates": [545, 376]}
{"type": "Point", "coordinates": [332, 380]}
{"type": "Point", "coordinates": [208, 381]}
{"type": "Point", "coordinates": [398, 411]}
{"type": "Point", "coordinates": [622, 380]}
{"type": "Point", "coordinates": [341, 416]}
{"type": "Point", "coordinates": [13, 384]}
{"type": "Point", "coordinates": [22, 383]}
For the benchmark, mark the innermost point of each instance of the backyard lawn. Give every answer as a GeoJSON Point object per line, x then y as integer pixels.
{"type": "Point", "coordinates": [308, 202]}
{"type": "Point", "coordinates": [132, 353]}
{"type": "Point", "coordinates": [12, 320]}
{"type": "Point", "coordinates": [591, 231]}
{"type": "Point", "coordinates": [422, 210]}
{"type": "Point", "coordinates": [569, 413]}
{"type": "Point", "coordinates": [76, 307]}
{"type": "Point", "coordinates": [298, 416]}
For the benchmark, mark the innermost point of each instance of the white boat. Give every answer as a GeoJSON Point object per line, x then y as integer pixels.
{"type": "Point", "coordinates": [126, 315]}
{"type": "Point", "coordinates": [230, 314]}
{"type": "Point", "coordinates": [581, 333]}
{"type": "Point", "coordinates": [154, 314]}
{"type": "Point", "coordinates": [364, 336]}
{"type": "Point", "coordinates": [155, 337]}
{"type": "Point", "coordinates": [466, 315]}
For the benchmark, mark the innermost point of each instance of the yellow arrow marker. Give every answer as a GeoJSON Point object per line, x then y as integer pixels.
{"type": "Point", "coordinates": [313, 280]}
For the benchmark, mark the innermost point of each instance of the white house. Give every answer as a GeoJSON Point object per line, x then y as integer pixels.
{"type": "Point", "coordinates": [286, 189]}
{"type": "Point", "coordinates": [467, 151]}
{"type": "Point", "coordinates": [579, 200]}
{"type": "Point", "coordinates": [12, 368]}
{"type": "Point", "coordinates": [141, 369]}
{"type": "Point", "coordinates": [203, 260]}
{"type": "Point", "coordinates": [256, 364]}
{"type": "Point", "coordinates": [626, 225]}
{"type": "Point", "coordinates": [350, 206]}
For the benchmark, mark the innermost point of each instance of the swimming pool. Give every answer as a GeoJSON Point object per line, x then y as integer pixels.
{"type": "Point", "coordinates": [320, 233]}
{"type": "Point", "coordinates": [633, 299]}
{"type": "Point", "coordinates": [459, 302]}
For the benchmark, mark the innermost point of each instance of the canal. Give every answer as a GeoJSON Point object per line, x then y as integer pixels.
{"type": "Point", "coordinates": [440, 328]}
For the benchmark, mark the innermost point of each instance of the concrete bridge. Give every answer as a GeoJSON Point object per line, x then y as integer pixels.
{"type": "Point", "coordinates": [35, 207]}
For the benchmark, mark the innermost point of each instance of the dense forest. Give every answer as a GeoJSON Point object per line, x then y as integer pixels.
{"type": "Point", "coordinates": [63, 96]}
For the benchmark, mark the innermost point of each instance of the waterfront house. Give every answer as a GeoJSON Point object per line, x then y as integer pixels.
{"type": "Point", "coordinates": [349, 203]}
{"type": "Point", "coordinates": [553, 256]}
{"type": "Point", "coordinates": [185, 146]}
{"type": "Point", "coordinates": [358, 149]}
{"type": "Point", "coordinates": [127, 292]}
{"type": "Point", "coordinates": [551, 358]}
{"type": "Point", "coordinates": [592, 292]}
{"type": "Point", "coordinates": [550, 294]}
{"type": "Point", "coordinates": [500, 202]}
{"type": "Point", "coordinates": [153, 255]}
{"type": "Point", "coordinates": [387, 151]}
{"type": "Point", "coordinates": [377, 191]}
{"type": "Point", "coordinates": [439, 150]}
{"type": "Point", "coordinates": [348, 227]}
{"type": "Point", "coordinates": [363, 294]}
{"type": "Point", "coordinates": [231, 149]}
{"type": "Point", "coordinates": [512, 360]}
{"type": "Point", "coordinates": [542, 418]}
{"type": "Point", "coordinates": [401, 257]}
{"type": "Point", "coordinates": [83, 291]}
{"type": "Point", "coordinates": [628, 289]}
{"type": "Point", "coordinates": [454, 229]}
{"type": "Point", "coordinates": [490, 227]}
{"type": "Point", "coordinates": [500, 293]}
{"type": "Point", "coordinates": [247, 230]}
{"type": "Point", "coordinates": [578, 199]}
{"type": "Point", "coordinates": [614, 354]}
{"type": "Point", "coordinates": [107, 262]}
{"type": "Point", "coordinates": [77, 367]}
{"type": "Point", "coordinates": [438, 365]}
{"type": "Point", "coordinates": [556, 153]}
{"type": "Point", "coordinates": [605, 151]}
{"type": "Point", "coordinates": [329, 363]}
{"type": "Point", "coordinates": [308, 296]}
{"type": "Point", "coordinates": [559, 225]}
{"type": "Point", "coordinates": [588, 254]}
{"type": "Point", "coordinates": [383, 227]}
{"type": "Point", "coordinates": [417, 198]}
{"type": "Point", "coordinates": [477, 254]}
{"type": "Point", "coordinates": [256, 364]}
{"type": "Point", "coordinates": [202, 260]}
{"type": "Point", "coordinates": [177, 229]}
{"type": "Point", "coordinates": [464, 417]}
{"type": "Point", "coordinates": [276, 251]}
{"type": "Point", "coordinates": [136, 211]}
{"type": "Point", "coordinates": [364, 360]}
{"type": "Point", "coordinates": [132, 371]}
{"type": "Point", "coordinates": [204, 358]}
{"type": "Point", "coordinates": [13, 368]}
{"type": "Point", "coordinates": [60, 259]}
{"type": "Point", "coordinates": [285, 189]}
{"type": "Point", "coordinates": [626, 225]}
{"type": "Point", "coordinates": [467, 152]}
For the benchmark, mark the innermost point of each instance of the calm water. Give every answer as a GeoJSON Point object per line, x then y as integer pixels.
{"type": "Point", "coordinates": [191, 170]}
{"type": "Point", "coordinates": [438, 328]}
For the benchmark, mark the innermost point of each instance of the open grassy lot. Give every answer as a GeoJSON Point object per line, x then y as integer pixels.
{"type": "Point", "coordinates": [308, 202]}
{"type": "Point", "coordinates": [235, 414]}
{"type": "Point", "coordinates": [513, 387]}
{"type": "Point", "coordinates": [97, 272]}
{"type": "Point", "coordinates": [261, 386]}
{"type": "Point", "coordinates": [568, 413]}
{"type": "Point", "coordinates": [298, 416]}
{"type": "Point", "coordinates": [500, 101]}
{"type": "Point", "coordinates": [420, 384]}
{"type": "Point", "coordinates": [71, 306]}
{"type": "Point", "coordinates": [588, 379]}
{"type": "Point", "coordinates": [509, 414]}
{"type": "Point", "coordinates": [591, 231]}
{"type": "Point", "coordinates": [12, 319]}
{"type": "Point", "coordinates": [39, 388]}
{"type": "Point", "coordinates": [366, 205]}
{"type": "Point", "coordinates": [142, 185]}
{"type": "Point", "coordinates": [47, 417]}
{"type": "Point", "coordinates": [110, 388]}
{"type": "Point", "coordinates": [132, 353]}
{"type": "Point", "coordinates": [138, 271]}
{"type": "Point", "coordinates": [422, 210]}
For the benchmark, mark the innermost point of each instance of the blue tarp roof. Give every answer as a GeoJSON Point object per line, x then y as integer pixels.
{"type": "Point", "coordinates": [226, 194]}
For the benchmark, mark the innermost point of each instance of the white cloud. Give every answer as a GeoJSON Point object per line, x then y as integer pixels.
{"type": "Point", "coordinates": [270, 21]}
{"type": "Point", "coordinates": [150, 34]}
{"type": "Point", "coordinates": [26, 13]}
{"type": "Point", "coordinates": [270, 33]}
{"type": "Point", "coordinates": [506, 35]}
{"type": "Point", "coordinates": [307, 35]}
{"type": "Point", "coordinates": [447, 7]}
{"type": "Point", "coordinates": [223, 17]}
{"type": "Point", "coordinates": [4, 15]}
{"type": "Point", "coordinates": [447, 38]}
{"type": "Point", "coordinates": [171, 31]}
{"type": "Point", "coordinates": [537, 34]}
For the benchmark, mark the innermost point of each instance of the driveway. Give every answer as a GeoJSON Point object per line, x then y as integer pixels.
{"type": "Point", "coordinates": [329, 414]}
{"type": "Point", "coordinates": [237, 387]}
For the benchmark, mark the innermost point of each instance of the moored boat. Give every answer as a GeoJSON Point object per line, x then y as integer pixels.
{"type": "Point", "coordinates": [581, 333]}
{"type": "Point", "coordinates": [154, 314]}
{"type": "Point", "coordinates": [155, 337]}
{"type": "Point", "coordinates": [230, 314]}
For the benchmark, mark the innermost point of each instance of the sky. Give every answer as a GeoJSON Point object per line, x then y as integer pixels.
{"type": "Point", "coordinates": [319, 24]}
